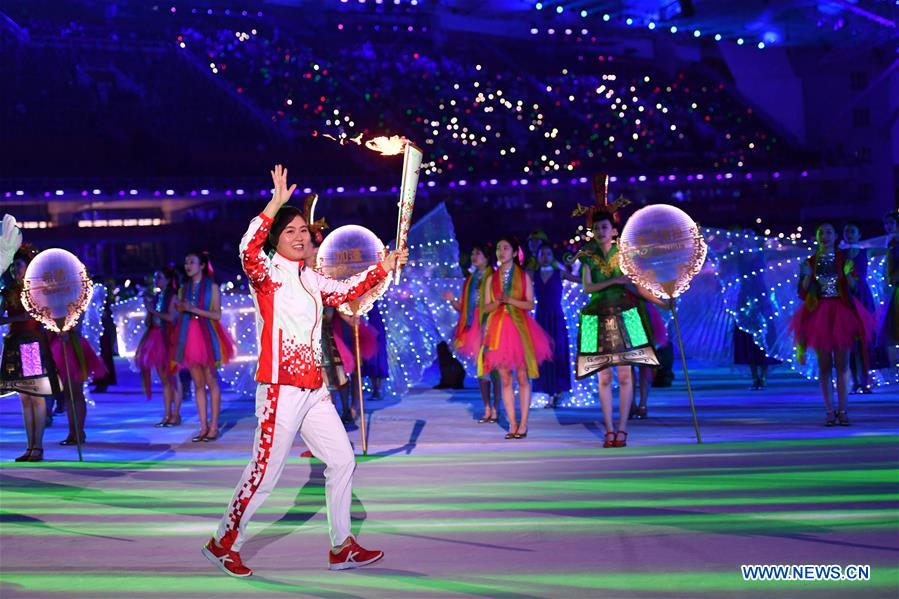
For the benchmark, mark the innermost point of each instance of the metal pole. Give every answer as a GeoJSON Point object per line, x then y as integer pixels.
{"type": "Point", "coordinates": [359, 383]}
{"type": "Point", "coordinates": [73, 413]}
{"type": "Point", "coordinates": [683, 358]}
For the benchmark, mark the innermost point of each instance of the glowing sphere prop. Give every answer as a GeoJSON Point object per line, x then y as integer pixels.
{"type": "Point", "coordinates": [661, 250]}
{"type": "Point", "coordinates": [349, 251]}
{"type": "Point", "coordinates": [56, 289]}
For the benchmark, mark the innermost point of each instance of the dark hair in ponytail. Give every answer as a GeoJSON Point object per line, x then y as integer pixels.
{"type": "Point", "coordinates": [205, 262]}
{"type": "Point", "coordinates": [169, 273]}
{"type": "Point", "coordinates": [516, 248]}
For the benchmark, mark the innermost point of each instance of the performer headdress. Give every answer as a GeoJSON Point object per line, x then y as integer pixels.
{"type": "Point", "coordinates": [315, 226]}
{"type": "Point", "coordinates": [602, 206]}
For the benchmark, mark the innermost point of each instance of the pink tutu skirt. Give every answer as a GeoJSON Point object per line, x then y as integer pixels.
{"type": "Point", "coordinates": [153, 351]}
{"type": "Point", "coordinates": [657, 324]}
{"type": "Point", "coordinates": [94, 366]}
{"type": "Point", "coordinates": [368, 345]}
{"type": "Point", "coordinates": [468, 343]}
{"type": "Point", "coordinates": [510, 354]}
{"type": "Point", "coordinates": [198, 349]}
{"type": "Point", "coordinates": [832, 325]}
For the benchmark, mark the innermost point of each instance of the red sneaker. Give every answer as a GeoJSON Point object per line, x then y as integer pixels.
{"type": "Point", "coordinates": [227, 561]}
{"type": "Point", "coordinates": [353, 556]}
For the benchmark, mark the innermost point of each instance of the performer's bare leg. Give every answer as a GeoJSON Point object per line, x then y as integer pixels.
{"type": "Point", "coordinates": [508, 392]}
{"type": "Point", "coordinates": [605, 398]}
{"type": "Point", "coordinates": [215, 400]}
{"type": "Point", "coordinates": [825, 379]}
{"type": "Point", "coordinates": [625, 395]}
{"type": "Point", "coordinates": [524, 397]}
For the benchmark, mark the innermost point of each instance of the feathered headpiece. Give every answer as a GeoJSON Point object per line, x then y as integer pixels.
{"type": "Point", "coordinates": [602, 206]}
{"type": "Point", "coordinates": [315, 227]}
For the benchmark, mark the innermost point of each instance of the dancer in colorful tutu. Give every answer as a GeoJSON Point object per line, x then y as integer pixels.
{"type": "Point", "coordinates": [28, 367]}
{"type": "Point", "coordinates": [203, 344]}
{"type": "Point", "coordinates": [291, 395]}
{"type": "Point", "coordinates": [468, 333]}
{"type": "Point", "coordinates": [333, 370]}
{"type": "Point", "coordinates": [615, 328]}
{"type": "Point", "coordinates": [76, 363]}
{"type": "Point", "coordinates": [375, 367]}
{"type": "Point", "coordinates": [345, 340]}
{"type": "Point", "coordinates": [831, 320]}
{"type": "Point", "coordinates": [646, 374]}
{"type": "Point", "coordinates": [514, 344]}
{"type": "Point", "coordinates": [555, 374]}
{"type": "Point", "coordinates": [862, 292]}
{"type": "Point", "coordinates": [156, 348]}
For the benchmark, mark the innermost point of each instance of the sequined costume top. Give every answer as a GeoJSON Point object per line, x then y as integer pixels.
{"type": "Point", "coordinates": [604, 267]}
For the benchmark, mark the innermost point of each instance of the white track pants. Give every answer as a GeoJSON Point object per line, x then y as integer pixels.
{"type": "Point", "coordinates": [281, 410]}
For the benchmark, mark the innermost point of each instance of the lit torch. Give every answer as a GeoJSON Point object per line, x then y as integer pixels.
{"type": "Point", "coordinates": [387, 146]}
{"type": "Point", "coordinates": [411, 166]}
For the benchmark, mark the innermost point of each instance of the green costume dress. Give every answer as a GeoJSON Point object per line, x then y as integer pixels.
{"type": "Point", "coordinates": [614, 327]}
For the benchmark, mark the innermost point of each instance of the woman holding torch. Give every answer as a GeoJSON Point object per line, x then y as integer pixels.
{"type": "Point", "coordinates": [291, 395]}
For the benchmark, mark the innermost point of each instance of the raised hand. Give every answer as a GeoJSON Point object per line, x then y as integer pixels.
{"type": "Point", "coordinates": [396, 258]}
{"type": "Point", "coordinates": [279, 180]}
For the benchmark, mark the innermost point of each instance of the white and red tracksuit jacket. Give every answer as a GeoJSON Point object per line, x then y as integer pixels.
{"type": "Point", "coordinates": [289, 298]}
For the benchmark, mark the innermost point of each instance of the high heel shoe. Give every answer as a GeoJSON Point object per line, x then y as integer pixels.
{"type": "Point", "coordinates": [642, 413]}
{"type": "Point", "coordinates": [487, 418]}
{"type": "Point", "coordinates": [843, 418]}
{"type": "Point", "coordinates": [201, 436]}
{"type": "Point", "coordinates": [173, 422]}
{"type": "Point", "coordinates": [510, 434]}
{"type": "Point", "coordinates": [831, 419]}
{"type": "Point", "coordinates": [609, 440]}
{"type": "Point", "coordinates": [521, 435]}
{"type": "Point", "coordinates": [37, 455]}
{"type": "Point", "coordinates": [24, 457]}
{"type": "Point", "coordinates": [71, 441]}
{"type": "Point", "coordinates": [162, 423]}
{"type": "Point", "coordinates": [620, 442]}
{"type": "Point", "coordinates": [209, 437]}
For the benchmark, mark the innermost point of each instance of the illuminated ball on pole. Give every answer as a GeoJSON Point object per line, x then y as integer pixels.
{"type": "Point", "coordinates": [56, 289]}
{"type": "Point", "coordinates": [349, 251]}
{"type": "Point", "coordinates": [661, 249]}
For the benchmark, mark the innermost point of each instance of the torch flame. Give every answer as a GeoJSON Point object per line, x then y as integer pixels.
{"type": "Point", "coordinates": [387, 146]}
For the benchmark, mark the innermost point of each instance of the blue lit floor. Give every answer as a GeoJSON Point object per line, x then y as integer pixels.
{"type": "Point", "coordinates": [460, 511]}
